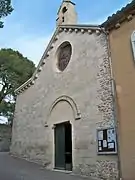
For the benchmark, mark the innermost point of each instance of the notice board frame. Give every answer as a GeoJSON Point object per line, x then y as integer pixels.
{"type": "Point", "coordinates": [107, 151]}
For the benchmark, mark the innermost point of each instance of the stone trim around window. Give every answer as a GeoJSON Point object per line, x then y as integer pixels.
{"type": "Point", "coordinates": [133, 43]}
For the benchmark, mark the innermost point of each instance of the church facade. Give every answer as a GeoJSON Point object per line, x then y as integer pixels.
{"type": "Point", "coordinates": [65, 115]}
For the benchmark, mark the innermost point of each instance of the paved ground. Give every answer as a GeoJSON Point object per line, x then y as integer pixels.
{"type": "Point", "coordinates": [16, 169]}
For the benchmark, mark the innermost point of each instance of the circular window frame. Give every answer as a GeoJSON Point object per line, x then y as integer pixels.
{"type": "Point", "coordinates": [64, 44]}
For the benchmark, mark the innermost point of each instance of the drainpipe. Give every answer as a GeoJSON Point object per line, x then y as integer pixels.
{"type": "Point", "coordinates": [115, 105]}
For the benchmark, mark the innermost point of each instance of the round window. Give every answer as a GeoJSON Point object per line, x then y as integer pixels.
{"type": "Point", "coordinates": [64, 55]}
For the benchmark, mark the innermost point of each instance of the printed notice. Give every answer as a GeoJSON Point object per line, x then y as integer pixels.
{"type": "Point", "coordinates": [100, 135]}
{"type": "Point", "coordinates": [110, 135]}
{"type": "Point", "coordinates": [100, 148]}
{"type": "Point", "coordinates": [104, 143]}
{"type": "Point", "coordinates": [111, 145]}
{"type": "Point", "coordinates": [99, 143]}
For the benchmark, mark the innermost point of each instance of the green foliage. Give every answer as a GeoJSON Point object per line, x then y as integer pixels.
{"type": "Point", "coordinates": [6, 107]}
{"type": "Point", "coordinates": [14, 71]}
{"type": "Point", "coordinates": [7, 110]}
{"type": "Point", "coordinates": [5, 9]}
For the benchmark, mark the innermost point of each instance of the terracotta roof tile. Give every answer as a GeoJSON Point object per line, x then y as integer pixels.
{"type": "Point", "coordinates": [119, 15]}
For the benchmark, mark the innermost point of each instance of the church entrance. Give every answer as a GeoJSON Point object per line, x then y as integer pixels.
{"type": "Point", "coordinates": [63, 146]}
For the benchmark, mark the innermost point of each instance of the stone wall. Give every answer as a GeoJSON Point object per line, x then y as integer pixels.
{"type": "Point", "coordinates": [83, 89]}
{"type": "Point", "coordinates": [5, 138]}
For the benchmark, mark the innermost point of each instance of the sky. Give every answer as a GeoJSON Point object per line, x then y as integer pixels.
{"type": "Point", "coordinates": [3, 120]}
{"type": "Point", "coordinates": [29, 28]}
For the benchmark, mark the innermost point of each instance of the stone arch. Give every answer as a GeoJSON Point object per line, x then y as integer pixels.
{"type": "Point", "coordinates": [71, 102]}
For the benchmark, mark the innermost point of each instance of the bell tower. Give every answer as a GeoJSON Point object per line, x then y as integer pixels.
{"type": "Point", "coordinates": [66, 13]}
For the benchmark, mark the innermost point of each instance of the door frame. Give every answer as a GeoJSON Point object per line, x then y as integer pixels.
{"type": "Point", "coordinates": [54, 156]}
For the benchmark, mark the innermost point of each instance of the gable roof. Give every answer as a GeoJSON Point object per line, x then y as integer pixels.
{"type": "Point", "coordinates": [66, 28]}
{"type": "Point", "coordinates": [120, 16]}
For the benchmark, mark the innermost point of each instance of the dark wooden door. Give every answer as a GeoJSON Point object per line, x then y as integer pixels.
{"type": "Point", "coordinates": [60, 146]}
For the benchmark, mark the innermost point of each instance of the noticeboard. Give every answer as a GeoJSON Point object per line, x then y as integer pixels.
{"type": "Point", "coordinates": [106, 141]}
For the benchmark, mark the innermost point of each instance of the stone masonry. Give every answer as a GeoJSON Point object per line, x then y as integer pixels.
{"type": "Point", "coordinates": [82, 94]}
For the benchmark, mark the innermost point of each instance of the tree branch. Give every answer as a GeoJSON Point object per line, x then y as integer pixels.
{"type": "Point", "coordinates": [2, 92]}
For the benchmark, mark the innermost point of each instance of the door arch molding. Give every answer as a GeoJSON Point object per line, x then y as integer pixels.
{"type": "Point", "coordinates": [71, 102]}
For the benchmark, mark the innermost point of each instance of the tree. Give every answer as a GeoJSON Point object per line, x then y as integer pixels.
{"type": "Point", "coordinates": [14, 71]}
{"type": "Point", "coordinates": [5, 10]}
{"type": "Point", "coordinates": [7, 110]}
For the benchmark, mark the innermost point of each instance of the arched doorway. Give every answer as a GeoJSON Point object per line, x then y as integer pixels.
{"type": "Point", "coordinates": [62, 116]}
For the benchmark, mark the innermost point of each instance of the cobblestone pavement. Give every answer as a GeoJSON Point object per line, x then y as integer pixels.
{"type": "Point", "coordinates": [16, 169]}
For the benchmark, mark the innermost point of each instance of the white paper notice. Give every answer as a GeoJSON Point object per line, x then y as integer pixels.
{"type": "Point", "coordinates": [110, 145]}
{"type": "Point", "coordinates": [100, 135]}
{"type": "Point", "coordinates": [110, 135]}
{"type": "Point", "coordinates": [100, 148]}
{"type": "Point", "coordinates": [99, 143]}
{"type": "Point", "coordinates": [104, 143]}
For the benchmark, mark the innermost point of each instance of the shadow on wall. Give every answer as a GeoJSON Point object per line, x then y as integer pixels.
{"type": "Point", "coordinates": [5, 137]}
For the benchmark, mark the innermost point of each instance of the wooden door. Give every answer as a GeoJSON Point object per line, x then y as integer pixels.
{"type": "Point", "coordinates": [60, 146]}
